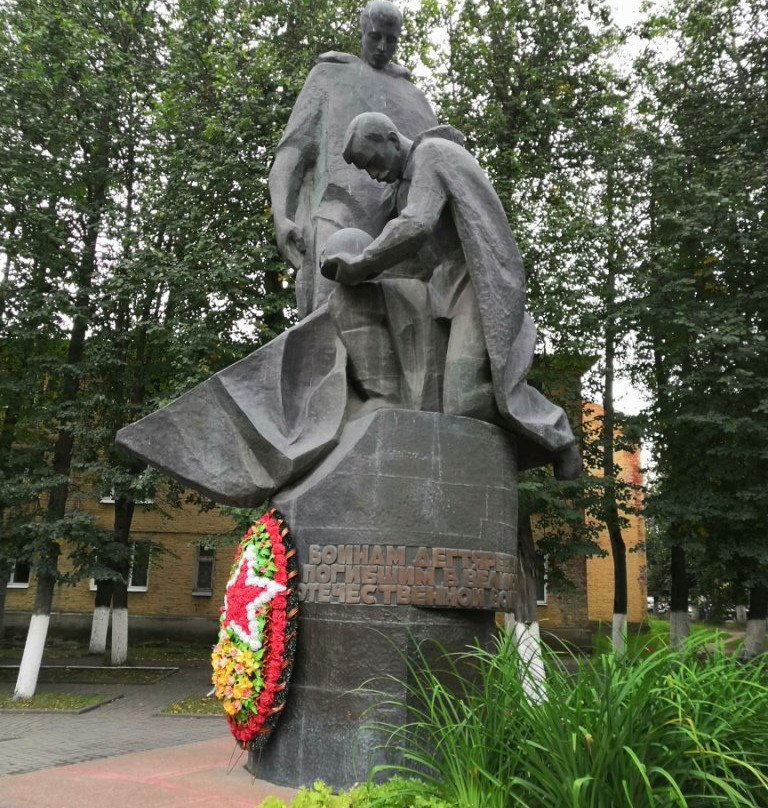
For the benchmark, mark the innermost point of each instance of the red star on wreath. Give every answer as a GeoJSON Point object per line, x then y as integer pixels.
{"type": "Point", "coordinates": [246, 595]}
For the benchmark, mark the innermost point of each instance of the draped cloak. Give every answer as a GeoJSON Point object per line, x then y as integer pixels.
{"type": "Point", "coordinates": [265, 421]}
{"type": "Point", "coordinates": [323, 193]}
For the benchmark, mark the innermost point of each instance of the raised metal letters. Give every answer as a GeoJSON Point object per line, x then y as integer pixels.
{"type": "Point", "coordinates": [399, 575]}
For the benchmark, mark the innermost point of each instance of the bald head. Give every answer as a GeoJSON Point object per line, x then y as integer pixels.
{"type": "Point", "coordinates": [373, 126]}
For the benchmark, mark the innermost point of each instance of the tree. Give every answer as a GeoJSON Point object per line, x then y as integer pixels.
{"type": "Point", "coordinates": [137, 242]}
{"type": "Point", "coordinates": [532, 87]}
{"type": "Point", "coordinates": [703, 316]}
{"type": "Point", "coordinates": [64, 91]}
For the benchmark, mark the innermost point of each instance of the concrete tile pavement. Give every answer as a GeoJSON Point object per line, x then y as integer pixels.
{"type": "Point", "coordinates": [207, 773]}
{"type": "Point", "coordinates": [125, 753]}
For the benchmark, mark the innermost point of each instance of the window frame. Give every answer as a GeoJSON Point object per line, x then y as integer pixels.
{"type": "Point", "coordinates": [210, 557]}
{"type": "Point", "coordinates": [132, 587]}
{"type": "Point", "coordinates": [14, 584]}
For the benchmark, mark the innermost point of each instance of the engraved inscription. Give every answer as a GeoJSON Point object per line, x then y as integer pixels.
{"type": "Point", "coordinates": [398, 575]}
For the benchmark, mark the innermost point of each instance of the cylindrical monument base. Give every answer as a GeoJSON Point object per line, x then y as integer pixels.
{"type": "Point", "coordinates": [405, 532]}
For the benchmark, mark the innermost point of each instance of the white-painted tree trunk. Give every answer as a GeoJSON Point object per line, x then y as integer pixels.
{"type": "Point", "coordinates": [754, 639]}
{"type": "Point", "coordinates": [29, 670]}
{"type": "Point", "coordinates": [527, 637]}
{"type": "Point", "coordinates": [119, 636]}
{"type": "Point", "coordinates": [619, 633]}
{"type": "Point", "coordinates": [99, 629]}
{"type": "Point", "coordinates": [741, 614]}
{"type": "Point", "coordinates": [679, 629]}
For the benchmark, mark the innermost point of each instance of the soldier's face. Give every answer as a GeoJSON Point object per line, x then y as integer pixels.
{"type": "Point", "coordinates": [381, 159]}
{"type": "Point", "coordinates": [379, 42]}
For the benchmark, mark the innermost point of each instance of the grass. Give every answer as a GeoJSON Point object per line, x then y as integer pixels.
{"type": "Point", "coordinates": [14, 652]}
{"type": "Point", "coordinates": [168, 651]}
{"type": "Point", "coordinates": [195, 705]}
{"type": "Point", "coordinates": [171, 651]}
{"type": "Point", "coordinates": [662, 729]}
{"type": "Point", "coordinates": [161, 653]}
{"type": "Point", "coordinates": [655, 635]}
{"type": "Point", "coordinates": [65, 702]}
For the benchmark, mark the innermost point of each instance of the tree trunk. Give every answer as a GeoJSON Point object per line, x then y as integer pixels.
{"type": "Point", "coordinates": [523, 623]}
{"type": "Point", "coordinates": [679, 624]}
{"type": "Point", "coordinates": [7, 433]}
{"type": "Point", "coordinates": [100, 619]}
{"type": "Point", "coordinates": [61, 466]}
{"type": "Point", "coordinates": [29, 670]}
{"type": "Point", "coordinates": [5, 576]}
{"type": "Point", "coordinates": [119, 623]}
{"type": "Point", "coordinates": [754, 636]}
{"type": "Point", "coordinates": [612, 520]}
{"type": "Point", "coordinates": [123, 517]}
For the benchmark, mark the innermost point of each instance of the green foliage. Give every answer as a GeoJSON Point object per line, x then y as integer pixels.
{"type": "Point", "coordinates": [530, 85]}
{"type": "Point", "coordinates": [392, 794]}
{"type": "Point", "coordinates": [703, 294]}
{"type": "Point", "coordinates": [660, 729]}
{"type": "Point", "coordinates": [654, 636]}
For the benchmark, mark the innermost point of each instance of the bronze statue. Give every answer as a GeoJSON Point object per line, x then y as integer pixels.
{"type": "Point", "coordinates": [314, 192]}
{"type": "Point", "coordinates": [389, 424]}
{"type": "Point", "coordinates": [480, 346]}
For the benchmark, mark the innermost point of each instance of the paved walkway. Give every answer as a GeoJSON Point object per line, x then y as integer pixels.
{"type": "Point", "coordinates": [126, 753]}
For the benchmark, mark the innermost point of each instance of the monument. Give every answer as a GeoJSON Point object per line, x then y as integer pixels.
{"type": "Point", "coordinates": [389, 424]}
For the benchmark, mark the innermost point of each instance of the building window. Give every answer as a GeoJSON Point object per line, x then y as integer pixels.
{"type": "Point", "coordinates": [541, 580]}
{"type": "Point", "coordinates": [19, 575]}
{"type": "Point", "coordinates": [109, 499]}
{"type": "Point", "coordinates": [138, 575]}
{"type": "Point", "coordinates": [204, 571]}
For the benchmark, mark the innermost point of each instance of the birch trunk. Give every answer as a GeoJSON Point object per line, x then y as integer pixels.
{"type": "Point", "coordinates": [754, 636]}
{"type": "Point", "coordinates": [679, 622]}
{"type": "Point", "coordinates": [523, 624]}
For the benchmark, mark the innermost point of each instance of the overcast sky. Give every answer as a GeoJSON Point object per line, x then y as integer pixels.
{"type": "Point", "coordinates": [625, 12]}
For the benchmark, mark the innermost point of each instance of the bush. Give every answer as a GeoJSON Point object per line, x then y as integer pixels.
{"type": "Point", "coordinates": [657, 730]}
{"type": "Point", "coordinates": [395, 793]}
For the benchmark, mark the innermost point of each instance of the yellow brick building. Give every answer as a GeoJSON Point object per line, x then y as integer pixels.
{"type": "Point", "coordinates": [177, 586]}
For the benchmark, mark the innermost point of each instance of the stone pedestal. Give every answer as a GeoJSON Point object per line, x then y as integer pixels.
{"type": "Point", "coordinates": [405, 532]}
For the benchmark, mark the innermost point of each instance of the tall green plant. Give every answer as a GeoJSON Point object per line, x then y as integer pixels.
{"type": "Point", "coordinates": [657, 730]}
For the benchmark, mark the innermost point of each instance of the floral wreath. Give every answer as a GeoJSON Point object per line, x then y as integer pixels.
{"type": "Point", "coordinates": [253, 657]}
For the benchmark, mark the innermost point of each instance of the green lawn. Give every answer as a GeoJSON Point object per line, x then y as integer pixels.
{"type": "Point", "coordinates": [52, 701]}
{"type": "Point", "coordinates": [61, 674]}
{"type": "Point", "coordinates": [655, 635]}
{"type": "Point", "coordinates": [164, 651]}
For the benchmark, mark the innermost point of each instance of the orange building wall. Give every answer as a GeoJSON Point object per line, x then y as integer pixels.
{"type": "Point", "coordinates": [566, 611]}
